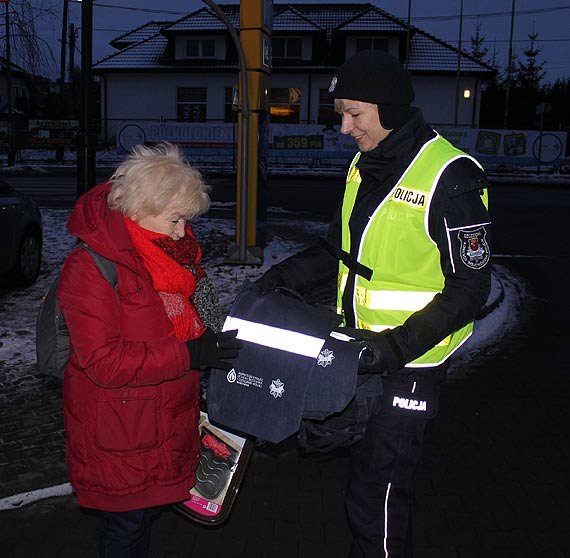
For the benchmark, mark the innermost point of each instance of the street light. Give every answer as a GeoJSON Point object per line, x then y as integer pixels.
{"type": "Point", "coordinates": [243, 254]}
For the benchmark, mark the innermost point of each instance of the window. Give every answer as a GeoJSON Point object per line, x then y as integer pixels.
{"type": "Point", "coordinates": [371, 43]}
{"type": "Point", "coordinates": [290, 47]}
{"type": "Point", "coordinates": [200, 48]}
{"type": "Point", "coordinates": [20, 99]}
{"type": "Point", "coordinates": [285, 105]}
{"type": "Point", "coordinates": [327, 114]}
{"type": "Point", "coordinates": [191, 104]}
{"type": "Point", "coordinates": [230, 115]}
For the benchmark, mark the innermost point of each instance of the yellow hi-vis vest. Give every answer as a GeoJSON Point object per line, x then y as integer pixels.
{"type": "Point", "coordinates": [397, 247]}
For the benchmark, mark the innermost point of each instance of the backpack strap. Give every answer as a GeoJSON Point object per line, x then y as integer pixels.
{"type": "Point", "coordinates": [107, 268]}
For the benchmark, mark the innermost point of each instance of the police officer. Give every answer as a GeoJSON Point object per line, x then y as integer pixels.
{"type": "Point", "coordinates": [410, 248]}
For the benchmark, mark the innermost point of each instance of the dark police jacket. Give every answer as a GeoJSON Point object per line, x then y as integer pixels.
{"type": "Point", "coordinates": [457, 203]}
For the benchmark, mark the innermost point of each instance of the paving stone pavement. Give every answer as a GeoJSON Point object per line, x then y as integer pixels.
{"type": "Point", "coordinates": [493, 481]}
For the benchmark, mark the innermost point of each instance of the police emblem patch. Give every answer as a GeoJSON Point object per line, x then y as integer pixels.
{"type": "Point", "coordinates": [333, 84]}
{"type": "Point", "coordinates": [474, 250]}
{"type": "Point", "coordinates": [325, 358]}
{"type": "Point", "coordinates": [277, 388]}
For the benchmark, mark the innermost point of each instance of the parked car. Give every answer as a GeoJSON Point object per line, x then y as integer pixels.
{"type": "Point", "coordinates": [21, 237]}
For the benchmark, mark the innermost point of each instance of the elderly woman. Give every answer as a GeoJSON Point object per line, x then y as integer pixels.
{"type": "Point", "coordinates": [131, 388]}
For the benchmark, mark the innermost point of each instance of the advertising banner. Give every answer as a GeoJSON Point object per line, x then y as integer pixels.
{"type": "Point", "coordinates": [318, 145]}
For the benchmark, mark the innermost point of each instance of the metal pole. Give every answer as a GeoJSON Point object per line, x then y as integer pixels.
{"type": "Point", "coordinates": [86, 148]}
{"type": "Point", "coordinates": [541, 119]}
{"type": "Point", "coordinates": [63, 45]}
{"type": "Point", "coordinates": [509, 70]}
{"type": "Point", "coordinates": [11, 139]}
{"type": "Point", "coordinates": [408, 33]}
{"type": "Point", "coordinates": [242, 252]}
{"type": "Point", "coordinates": [72, 38]}
{"type": "Point", "coordinates": [458, 77]}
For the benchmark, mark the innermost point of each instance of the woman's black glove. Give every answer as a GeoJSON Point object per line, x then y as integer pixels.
{"type": "Point", "coordinates": [212, 349]}
{"type": "Point", "coordinates": [371, 360]}
{"type": "Point", "coordinates": [269, 281]}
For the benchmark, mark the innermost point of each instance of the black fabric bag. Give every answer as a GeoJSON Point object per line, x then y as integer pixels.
{"type": "Point", "coordinates": [332, 378]}
{"type": "Point", "coordinates": [345, 428]}
{"type": "Point", "coordinates": [277, 373]}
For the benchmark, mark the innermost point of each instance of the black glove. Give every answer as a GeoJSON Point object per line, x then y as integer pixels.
{"type": "Point", "coordinates": [269, 281]}
{"type": "Point", "coordinates": [371, 360]}
{"type": "Point", "coordinates": [211, 349]}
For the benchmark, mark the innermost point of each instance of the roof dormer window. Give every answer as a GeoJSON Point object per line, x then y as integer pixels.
{"type": "Point", "coordinates": [372, 43]}
{"type": "Point", "coordinates": [200, 48]}
{"type": "Point", "coordinates": [287, 47]}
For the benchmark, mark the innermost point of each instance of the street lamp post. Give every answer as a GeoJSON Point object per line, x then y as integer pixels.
{"type": "Point", "coordinates": [253, 51]}
{"type": "Point", "coordinates": [86, 143]}
{"type": "Point", "coordinates": [243, 255]}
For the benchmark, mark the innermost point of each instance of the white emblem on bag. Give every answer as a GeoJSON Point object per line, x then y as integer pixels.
{"type": "Point", "coordinates": [231, 376]}
{"type": "Point", "coordinates": [277, 388]}
{"type": "Point", "coordinates": [325, 358]}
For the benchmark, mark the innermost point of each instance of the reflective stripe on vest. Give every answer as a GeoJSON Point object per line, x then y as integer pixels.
{"type": "Point", "coordinates": [397, 246]}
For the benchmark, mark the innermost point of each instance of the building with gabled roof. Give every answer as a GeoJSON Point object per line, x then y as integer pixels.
{"type": "Point", "coordinates": [186, 71]}
{"type": "Point", "coordinates": [22, 87]}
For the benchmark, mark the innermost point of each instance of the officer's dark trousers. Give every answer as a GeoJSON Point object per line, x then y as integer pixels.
{"type": "Point", "coordinates": [383, 463]}
{"type": "Point", "coordinates": [126, 534]}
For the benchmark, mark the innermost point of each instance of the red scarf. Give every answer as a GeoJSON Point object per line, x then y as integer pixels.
{"type": "Point", "coordinates": [165, 259]}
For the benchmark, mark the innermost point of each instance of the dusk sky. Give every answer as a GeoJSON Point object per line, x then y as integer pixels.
{"type": "Point", "coordinates": [548, 18]}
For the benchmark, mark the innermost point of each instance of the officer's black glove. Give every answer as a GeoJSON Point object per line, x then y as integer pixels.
{"type": "Point", "coordinates": [212, 349]}
{"type": "Point", "coordinates": [371, 360]}
{"type": "Point", "coordinates": [269, 281]}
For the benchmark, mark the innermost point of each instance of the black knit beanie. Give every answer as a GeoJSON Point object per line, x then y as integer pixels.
{"type": "Point", "coordinates": [376, 77]}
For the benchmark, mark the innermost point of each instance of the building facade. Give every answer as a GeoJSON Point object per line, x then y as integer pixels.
{"type": "Point", "coordinates": [178, 80]}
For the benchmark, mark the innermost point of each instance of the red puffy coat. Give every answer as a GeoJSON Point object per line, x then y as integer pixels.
{"type": "Point", "coordinates": [131, 404]}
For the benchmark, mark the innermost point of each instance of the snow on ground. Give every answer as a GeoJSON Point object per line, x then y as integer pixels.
{"type": "Point", "coordinates": [19, 308]}
{"type": "Point", "coordinates": [287, 235]}
{"type": "Point", "coordinates": [507, 294]}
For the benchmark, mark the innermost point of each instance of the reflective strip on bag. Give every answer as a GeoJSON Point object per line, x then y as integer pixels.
{"type": "Point", "coordinates": [275, 337]}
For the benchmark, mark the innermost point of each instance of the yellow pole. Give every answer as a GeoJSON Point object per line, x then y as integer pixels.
{"type": "Point", "coordinates": [255, 37]}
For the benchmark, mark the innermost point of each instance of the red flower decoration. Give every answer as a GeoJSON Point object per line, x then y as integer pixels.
{"type": "Point", "coordinates": [219, 448]}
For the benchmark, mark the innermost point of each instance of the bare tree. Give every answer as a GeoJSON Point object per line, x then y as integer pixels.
{"type": "Point", "coordinates": [28, 49]}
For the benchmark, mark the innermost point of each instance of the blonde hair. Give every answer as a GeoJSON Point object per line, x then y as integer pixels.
{"type": "Point", "coordinates": [152, 179]}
